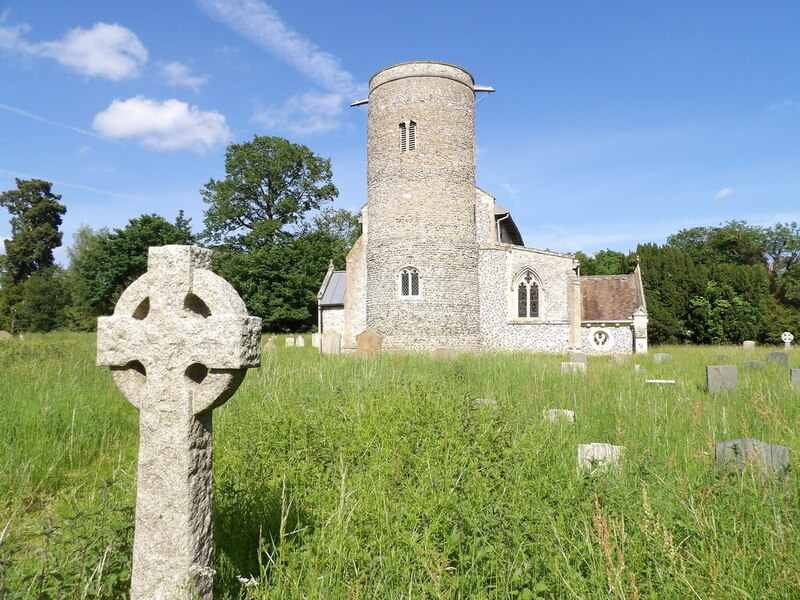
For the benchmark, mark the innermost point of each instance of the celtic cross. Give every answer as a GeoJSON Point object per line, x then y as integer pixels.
{"type": "Point", "coordinates": [178, 345]}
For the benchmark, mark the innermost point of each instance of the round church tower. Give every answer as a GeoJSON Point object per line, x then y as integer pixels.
{"type": "Point", "coordinates": [421, 252]}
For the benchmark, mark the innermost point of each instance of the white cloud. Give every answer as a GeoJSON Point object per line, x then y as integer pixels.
{"type": "Point", "coordinates": [167, 125]}
{"type": "Point", "coordinates": [785, 106]}
{"type": "Point", "coordinates": [178, 74]}
{"type": "Point", "coordinates": [105, 50]}
{"type": "Point", "coordinates": [512, 190]}
{"type": "Point", "coordinates": [311, 112]}
{"type": "Point", "coordinates": [261, 24]}
{"type": "Point", "coordinates": [724, 193]}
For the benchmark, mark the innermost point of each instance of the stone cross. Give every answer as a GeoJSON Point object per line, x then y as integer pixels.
{"type": "Point", "coordinates": [178, 345]}
{"type": "Point", "coordinates": [787, 338]}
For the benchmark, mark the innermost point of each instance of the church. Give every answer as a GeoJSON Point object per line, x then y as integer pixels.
{"type": "Point", "coordinates": [439, 263]}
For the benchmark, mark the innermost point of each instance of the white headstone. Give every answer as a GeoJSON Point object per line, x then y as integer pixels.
{"type": "Point", "coordinates": [599, 456]}
{"type": "Point", "coordinates": [178, 345]}
{"type": "Point", "coordinates": [787, 340]}
{"type": "Point", "coordinates": [300, 341]}
{"type": "Point", "coordinates": [330, 342]}
{"type": "Point", "coordinates": [660, 357]}
{"type": "Point", "coordinates": [289, 342]}
{"type": "Point", "coordinates": [315, 340]}
{"type": "Point", "coordinates": [559, 414]}
{"type": "Point", "coordinates": [749, 345]}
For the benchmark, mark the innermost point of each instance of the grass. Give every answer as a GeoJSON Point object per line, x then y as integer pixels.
{"type": "Point", "coordinates": [337, 478]}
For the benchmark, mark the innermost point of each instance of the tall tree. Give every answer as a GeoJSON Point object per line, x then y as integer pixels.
{"type": "Point", "coordinates": [270, 183]}
{"type": "Point", "coordinates": [35, 218]}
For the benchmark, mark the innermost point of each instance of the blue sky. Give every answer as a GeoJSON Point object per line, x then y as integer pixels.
{"type": "Point", "coordinates": [613, 123]}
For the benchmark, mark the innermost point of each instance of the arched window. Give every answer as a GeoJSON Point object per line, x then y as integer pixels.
{"type": "Point", "coordinates": [402, 137]}
{"type": "Point", "coordinates": [409, 282]}
{"type": "Point", "coordinates": [527, 295]}
{"type": "Point", "coordinates": [412, 135]}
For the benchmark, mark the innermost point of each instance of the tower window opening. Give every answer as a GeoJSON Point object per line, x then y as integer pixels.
{"type": "Point", "coordinates": [402, 137]}
{"type": "Point", "coordinates": [527, 296]}
{"type": "Point", "coordinates": [409, 282]}
{"type": "Point", "coordinates": [412, 135]}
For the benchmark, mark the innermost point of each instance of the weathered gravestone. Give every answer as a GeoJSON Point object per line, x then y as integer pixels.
{"type": "Point", "coordinates": [749, 345]}
{"type": "Point", "coordinates": [787, 338]}
{"type": "Point", "coordinates": [315, 340]}
{"type": "Point", "coordinates": [484, 402]}
{"type": "Point", "coordinates": [178, 345]}
{"type": "Point", "coordinates": [737, 454]}
{"type": "Point", "coordinates": [599, 456]}
{"type": "Point", "coordinates": [4, 335]}
{"type": "Point", "coordinates": [636, 368]}
{"type": "Point", "coordinates": [660, 357]}
{"type": "Point", "coordinates": [330, 342]}
{"type": "Point", "coordinates": [289, 342]}
{"type": "Point", "coordinates": [780, 358]}
{"type": "Point", "coordinates": [794, 377]}
{"type": "Point", "coordinates": [444, 354]}
{"type": "Point", "coordinates": [553, 415]}
{"type": "Point", "coordinates": [368, 344]}
{"type": "Point", "coordinates": [661, 381]}
{"type": "Point", "coordinates": [620, 359]}
{"type": "Point", "coordinates": [270, 345]}
{"type": "Point", "coordinates": [753, 364]}
{"type": "Point", "coordinates": [300, 341]}
{"type": "Point", "coordinates": [722, 378]}
{"type": "Point", "coordinates": [579, 357]}
{"type": "Point", "coordinates": [573, 367]}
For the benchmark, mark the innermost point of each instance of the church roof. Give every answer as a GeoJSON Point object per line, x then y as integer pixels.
{"type": "Point", "coordinates": [508, 230]}
{"type": "Point", "coordinates": [610, 297]}
{"type": "Point", "coordinates": [334, 289]}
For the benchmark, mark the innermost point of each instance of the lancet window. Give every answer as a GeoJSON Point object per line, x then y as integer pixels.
{"type": "Point", "coordinates": [527, 295]}
{"type": "Point", "coordinates": [409, 282]}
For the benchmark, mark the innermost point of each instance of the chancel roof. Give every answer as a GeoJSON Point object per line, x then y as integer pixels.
{"type": "Point", "coordinates": [508, 230]}
{"type": "Point", "coordinates": [334, 292]}
{"type": "Point", "coordinates": [610, 297]}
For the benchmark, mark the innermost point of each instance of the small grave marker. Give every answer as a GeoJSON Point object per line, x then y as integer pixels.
{"type": "Point", "coordinates": [787, 338]}
{"type": "Point", "coordinates": [749, 345]}
{"type": "Point", "coordinates": [289, 342]}
{"type": "Point", "coordinates": [300, 341]}
{"type": "Point", "coordinates": [178, 345]}
{"type": "Point", "coordinates": [573, 367]}
{"type": "Point", "coordinates": [599, 456]}
{"type": "Point", "coordinates": [368, 344]}
{"type": "Point", "coordinates": [661, 381]}
{"type": "Point", "coordinates": [753, 364]}
{"type": "Point", "coordinates": [484, 402]}
{"type": "Point", "coordinates": [4, 335]}
{"type": "Point", "coordinates": [636, 368]}
{"type": "Point", "coordinates": [661, 357]}
{"type": "Point", "coordinates": [315, 340]}
{"type": "Point", "coordinates": [780, 358]}
{"type": "Point", "coordinates": [794, 377]}
{"type": "Point", "coordinates": [555, 415]}
{"type": "Point", "coordinates": [581, 357]}
{"type": "Point", "coordinates": [270, 345]}
{"type": "Point", "coordinates": [722, 378]}
{"type": "Point", "coordinates": [620, 359]}
{"type": "Point", "coordinates": [330, 342]}
{"type": "Point", "coordinates": [444, 354]}
{"type": "Point", "coordinates": [737, 454]}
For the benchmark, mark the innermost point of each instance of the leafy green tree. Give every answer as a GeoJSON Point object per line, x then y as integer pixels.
{"type": "Point", "coordinates": [103, 264]}
{"type": "Point", "coordinates": [606, 262]}
{"type": "Point", "coordinates": [734, 242]}
{"type": "Point", "coordinates": [270, 183]}
{"type": "Point", "coordinates": [45, 301]}
{"type": "Point", "coordinates": [782, 247]}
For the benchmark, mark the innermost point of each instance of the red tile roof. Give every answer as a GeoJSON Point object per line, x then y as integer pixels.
{"type": "Point", "coordinates": [610, 297]}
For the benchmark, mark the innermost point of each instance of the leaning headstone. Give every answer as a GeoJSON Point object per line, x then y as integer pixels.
{"type": "Point", "coordinates": [178, 345]}
{"type": "Point", "coordinates": [780, 358]}
{"type": "Point", "coordinates": [753, 364]}
{"type": "Point", "coordinates": [787, 338]}
{"type": "Point", "coordinates": [794, 377]}
{"type": "Point", "coordinates": [368, 344]}
{"type": "Point", "coordinates": [289, 342]}
{"type": "Point", "coordinates": [578, 357]}
{"type": "Point", "coordinates": [737, 454]}
{"type": "Point", "coordinates": [315, 340]}
{"type": "Point", "coordinates": [4, 335]}
{"type": "Point", "coordinates": [599, 456]}
{"type": "Point", "coordinates": [300, 341]}
{"type": "Point", "coordinates": [749, 345]}
{"type": "Point", "coordinates": [573, 367]}
{"type": "Point", "coordinates": [553, 415]}
{"type": "Point", "coordinates": [330, 342]}
{"type": "Point", "coordinates": [722, 378]}
{"type": "Point", "coordinates": [660, 357]}
{"type": "Point", "coordinates": [620, 359]}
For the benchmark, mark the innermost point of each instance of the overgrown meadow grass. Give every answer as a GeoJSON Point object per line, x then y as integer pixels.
{"type": "Point", "coordinates": [338, 478]}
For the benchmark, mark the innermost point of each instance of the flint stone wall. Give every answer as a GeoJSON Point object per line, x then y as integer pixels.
{"type": "Point", "coordinates": [333, 318]}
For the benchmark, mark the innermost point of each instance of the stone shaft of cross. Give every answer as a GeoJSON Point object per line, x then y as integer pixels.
{"type": "Point", "coordinates": [178, 345]}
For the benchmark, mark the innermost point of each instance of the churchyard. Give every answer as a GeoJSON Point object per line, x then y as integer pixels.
{"type": "Point", "coordinates": [410, 476]}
